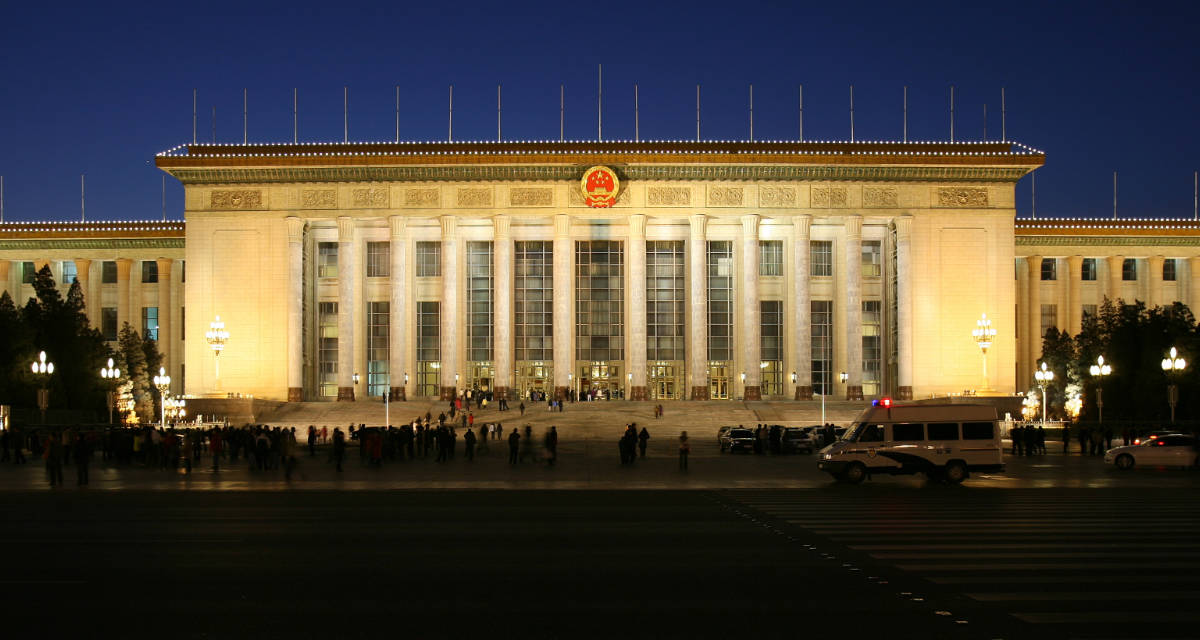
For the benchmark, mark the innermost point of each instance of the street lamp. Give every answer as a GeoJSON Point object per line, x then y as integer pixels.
{"type": "Point", "coordinates": [1171, 364]}
{"type": "Point", "coordinates": [216, 337]}
{"type": "Point", "coordinates": [1100, 370]}
{"type": "Point", "coordinates": [844, 378]}
{"type": "Point", "coordinates": [983, 333]}
{"type": "Point", "coordinates": [110, 373]}
{"type": "Point", "coordinates": [42, 370]}
{"type": "Point", "coordinates": [1044, 377]}
{"type": "Point", "coordinates": [162, 382]}
{"type": "Point", "coordinates": [174, 409]}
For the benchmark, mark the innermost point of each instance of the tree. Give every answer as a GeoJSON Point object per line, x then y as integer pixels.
{"type": "Point", "coordinates": [134, 356]}
{"type": "Point", "coordinates": [1059, 354]}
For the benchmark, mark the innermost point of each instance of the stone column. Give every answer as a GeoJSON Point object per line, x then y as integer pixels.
{"type": "Point", "coordinates": [1155, 279]}
{"type": "Point", "coordinates": [1116, 265]}
{"type": "Point", "coordinates": [123, 267]}
{"type": "Point", "coordinates": [697, 352]}
{"type": "Point", "coordinates": [165, 343]}
{"type": "Point", "coordinates": [503, 274]}
{"type": "Point", "coordinates": [398, 310]}
{"type": "Point", "coordinates": [636, 251]}
{"type": "Point", "coordinates": [1074, 295]}
{"type": "Point", "coordinates": [853, 249]}
{"type": "Point", "coordinates": [802, 312]}
{"type": "Point", "coordinates": [1194, 282]}
{"type": "Point", "coordinates": [449, 308]}
{"type": "Point", "coordinates": [904, 308]}
{"type": "Point", "coordinates": [1033, 310]}
{"type": "Point", "coordinates": [751, 334]}
{"type": "Point", "coordinates": [295, 306]}
{"type": "Point", "coordinates": [347, 281]}
{"type": "Point", "coordinates": [5, 266]}
{"type": "Point", "coordinates": [564, 288]}
{"type": "Point", "coordinates": [83, 275]}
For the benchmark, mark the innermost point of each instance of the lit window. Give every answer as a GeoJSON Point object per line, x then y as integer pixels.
{"type": "Point", "coordinates": [770, 257]}
{"type": "Point", "coordinates": [821, 254]}
{"type": "Point", "coordinates": [327, 260]}
{"type": "Point", "coordinates": [872, 259]}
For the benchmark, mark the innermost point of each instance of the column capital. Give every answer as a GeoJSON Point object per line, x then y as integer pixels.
{"type": "Point", "coordinates": [637, 224]}
{"type": "Point", "coordinates": [853, 225]}
{"type": "Point", "coordinates": [501, 226]}
{"type": "Point", "coordinates": [1034, 263]}
{"type": "Point", "coordinates": [562, 225]}
{"type": "Point", "coordinates": [449, 225]}
{"type": "Point", "coordinates": [803, 226]}
{"type": "Point", "coordinates": [345, 229]}
{"type": "Point", "coordinates": [295, 227]}
{"type": "Point", "coordinates": [164, 268]}
{"type": "Point", "coordinates": [1155, 261]}
{"type": "Point", "coordinates": [1075, 263]}
{"type": "Point", "coordinates": [750, 224]}
{"type": "Point", "coordinates": [903, 226]}
{"type": "Point", "coordinates": [399, 225]}
{"type": "Point", "coordinates": [698, 223]}
{"type": "Point", "coordinates": [123, 266]}
{"type": "Point", "coordinates": [82, 265]}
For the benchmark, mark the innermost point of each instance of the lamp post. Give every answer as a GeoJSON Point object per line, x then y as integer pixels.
{"type": "Point", "coordinates": [110, 373]}
{"type": "Point", "coordinates": [844, 378]}
{"type": "Point", "coordinates": [162, 382]}
{"type": "Point", "coordinates": [628, 384]}
{"type": "Point", "coordinates": [1043, 377]}
{"type": "Point", "coordinates": [1171, 365]}
{"type": "Point", "coordinates": [1100, 370]}
{"type": "Point", "coordinates": [216, 337]}
{"type": "Point", "coordinates": [42, 370]}
{"type": "Point", "coordinates": [743, 379]}
{"type": "Point", "coordinates": [175, 409]}
{"type": "Point", "coordinates": [983, 333]}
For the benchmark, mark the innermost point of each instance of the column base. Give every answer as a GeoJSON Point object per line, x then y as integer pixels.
{"type": "Point", "coordinates": [804, 392]}
{"type": "Point", "coordinates": [854, 392]}
{"type": "Point", "coordinates": [447, 393]}
{"type": "Point", "coordinates": [560, 393]}
{"type": "Point", "coordinates": [699, 393]}
{"type": "Point", "coordinates": [904, 393]}
{"type": "Point", "coordinates": [295, 394]}
{"type": "Point", "coordinates": [397, 394]}
{"type": "Point", "coordinates": [752, 393]}
{"type": "Point", "coordinates": [501, 392]}
{"type": "Point", "coordinates": [345, 394]}
{"type": "Point", "coordinates": [639, 394]}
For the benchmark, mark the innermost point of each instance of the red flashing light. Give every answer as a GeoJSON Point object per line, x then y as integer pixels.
{"type": "Point", "coordinates": [886, 403]}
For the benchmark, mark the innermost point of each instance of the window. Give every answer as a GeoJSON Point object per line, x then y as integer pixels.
{"type": "Point", "coordinates": [1049, 269]}
{"type": "Point", "coordinates": [1089, 310]}
{"type": "Point", "coordinates": [978, 430]}
{"type": "Point", "coordinates": [327, 260]}
{"type": "Point", "coordinates": [27, 272]}
{"type": "Point", "coordinates": [665, 300]}
{"type": "Point", "coordinates": [771, 352]}
{"type": "Point", "coordinates": [1049, 319]}
{"type": "Point", "coordinates": [871, 433]}
{"type": "Point", "coordinates": [770, 257]}
{"type": "Point", "coordinates": [69, 274]}
{"type": "Point", "coordinates": [533, 301]}
{"type": "Point", "coordinates": [429, 259]}
{"type": "Point", "coordinates": [599, 300]}
{"type": "Point", "coordinates": [872, 259]}
{"type": "Point", "coordinates": [327, 347]}
{"type": "Point", "coordinates": [821, 255]}
{"type": "Point", "coordinates": [150, 322]}
{"type": "Point", "coordinates": [108, 323]}
{"type": "Point", "coordinates": [108, 272]}
{"type": "Point", "coordinates": [149, 271]}
{"type": "Point", "coordinates": [378, 330]}
{"type": "Point", "coordinates": [908, 431]}
{"type": "Point", "coordinates": [822, 345]}
{"type": "Point", "coordinates": [720, 301]}
{"type": "Point", "coordinates": [872, 346]}
{"type": "Point", "coordinates": [429, 348]}
{"type": "Point", "coordinates": [379, 261]}
{"type": "Point", "coordinates": [1129, 270]}
{"type": "Point", "coordinates": [183, 272]}
{"type": "Point", "coordinates": [943, 430]}
{"type": "Point", "coordinates": [1169, 270]}
{"type": "Point", "coordinates": [480, 295]}
{"type": "Point", "coordinates": [1089, 269]}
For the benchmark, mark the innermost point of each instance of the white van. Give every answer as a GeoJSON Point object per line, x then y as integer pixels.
{"type": "Point", "coordinates": [944, 441]}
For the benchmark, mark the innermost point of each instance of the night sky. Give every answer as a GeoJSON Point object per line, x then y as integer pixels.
{"type": "Point", "coordinates": [99, 89]}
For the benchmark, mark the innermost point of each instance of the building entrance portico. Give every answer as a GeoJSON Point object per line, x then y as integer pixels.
{"type": "Point", "coordinates": [480, 375]}
{"type": "Point", "coordinates": [666, 381]}
{"type": "Point", "coordinates": [602, 377]}
{"type": "Point", "coordinates": [536, 377]}
{"type": "Point", "coordinates": [718, 380]}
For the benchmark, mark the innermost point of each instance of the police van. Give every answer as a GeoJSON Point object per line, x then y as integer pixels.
{"type": "Point", "coordinates": [944, 441]}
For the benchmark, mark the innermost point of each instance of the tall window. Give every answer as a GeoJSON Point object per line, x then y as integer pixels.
{"type": "Point", "coordinates": [149, 271]}
{"type": "Point", "coordinates": [480, 288]}
{"type": "Point", "coordinates": [872, 258]}
{"type": "Point", "coordinates": [771, 352]}
{"type": "Point", "coordinates": [108, 272]}
{"type": "Point", "coordinates": [1049, 318]}
{"type": "Point", "coordinates": [378, 333]}
{"type": "Point", "coordinates": [1129, 270]}
{"type": "Point", "coordinates": [27, 272]}
{"type": "Point", "coordinates": [1049, 269]}
{"type": "Point", "coordinates": [379, 260]}
{"type": "Point", "coordinates": [599, 300]}
{"type": "Point", "coordinates": [1169, 270]}
{"type": "Point", "coordinates": [327, 260]}
{"type": "Point", "coordinates": [665, 295]}
{"type": "Point", "coordinates": [533, 301]}
{"type": "Point", "coordinates": [327, 348]}
{"type": "Point", "coordinates": [429, 259]}
{"type": "Point", "coordinates": [720, 301]}
{"type": "Point", "coordinates": [150, 322]}
{"type": "Point", "coordinates": [68, 272]}
{"type": "Point", "coordinates": [1088, 270]}
{"type": "Point", "coordinates": [822, 345]}
{"type": "Point", "coordinates": [872, 346]}
{"type": "Point", "coordinates": [770, 257]}
{"type": "Point", "coordinates": [108, 323]}
{"type": "Point", "coordinates": [821, 255]}
{"type": "Point", "coordinates": [429, 347]}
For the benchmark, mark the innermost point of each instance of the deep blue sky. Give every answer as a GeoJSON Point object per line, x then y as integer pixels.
{"type": "Point", "coordinates": [100, 88]}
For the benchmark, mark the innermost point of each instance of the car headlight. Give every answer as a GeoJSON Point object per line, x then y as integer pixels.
{"type": "Point", "coordinates": [827, 456]}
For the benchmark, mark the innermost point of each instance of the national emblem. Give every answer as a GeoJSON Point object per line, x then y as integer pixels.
{"type": "Point", "coordinates": [599, 185]}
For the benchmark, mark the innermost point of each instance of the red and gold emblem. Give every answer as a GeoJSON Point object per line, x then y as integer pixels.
{"type": "Point", "coordinates": [599, 186]}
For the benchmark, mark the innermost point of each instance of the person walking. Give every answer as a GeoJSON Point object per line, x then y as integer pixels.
{"type": "Point", "coordinates": [551, 446]}
{"type": "Point", "coordinates": [514, 444]}
{"type": "Point", "coordinates": [1066, 438]}
{"type": "Point", "coordinates": [522, 408]}
{"type": "Point", "coordinates": [339, 447]}
{"type": "Point", "coordinates": [684, 449]}
{"type": "Point", "coordinates": [469, 443]}
{"type": "Point", "coordinates": [643, 439]}
{"type": "Point", "coordinates": [312, 441]}
{"type": "Point", "coordinates": [53, 456]}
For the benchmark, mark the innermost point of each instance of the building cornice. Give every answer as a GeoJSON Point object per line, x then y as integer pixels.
{"type": "Point", "coordinates": [102, 243]}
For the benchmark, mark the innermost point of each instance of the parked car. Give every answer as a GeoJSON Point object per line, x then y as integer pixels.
{"type": "Point", "coordinates": [799, 439]}
{"type": "Point", "coordinates": [723, 431]}
{"type": "Point", "coordinates": [1172, 450]}
{"type": "Point", "coordinates": [738, 440]}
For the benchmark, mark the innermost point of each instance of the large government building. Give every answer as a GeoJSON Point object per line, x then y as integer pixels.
{"type": "Point", "coordinates": [646, 270]}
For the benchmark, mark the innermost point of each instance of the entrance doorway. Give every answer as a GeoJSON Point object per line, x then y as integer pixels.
{"type": "Point", "coordinates": [601, 379]}
{"type": "Point", "coordinates": [480, 376]}
{"type": "Point", "coordinates": [534, 380]}
{"type": "Point", "coordinates": [664, 382]}
{"type": "Point", "coordinates": [718, 380]}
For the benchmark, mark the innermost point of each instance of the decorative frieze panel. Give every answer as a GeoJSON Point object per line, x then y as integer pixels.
{"type": "Point", "coordinates": [962, 197]}
{"type": "Point", "coordinates": [236, 199]}
{"type": "Point", "coordinates": [777, 196]}
{"type": "Point", "coordinates": [669, 197]}
{"type": "Point", "coordinates": [725, 196]}
{"type": "Point", "coordinates": [575, 198]}
{"type": "Point", "coordinates": [475, 197]}
{"type": "Point", "coordinates": [424, 198]}
{"type": "Point", "coordinates": [828, 197]}
{"type": "Point", "coordinates": [369, 198]}
{"type": "Point", "coordinates": [531, 197]}
{"type": "Point", "coordinates": [318, 198]}
{"type": "Point", "coordinates": [881, 197]}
